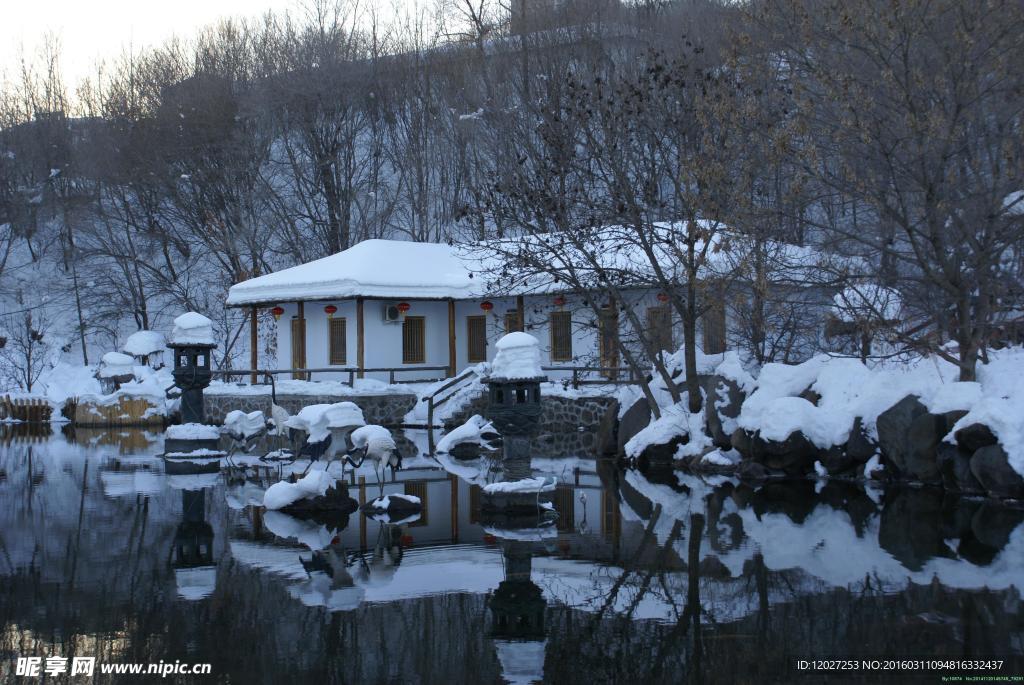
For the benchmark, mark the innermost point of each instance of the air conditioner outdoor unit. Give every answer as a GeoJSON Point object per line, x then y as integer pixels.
{"type": "Point", "coordinates": [391, 313]}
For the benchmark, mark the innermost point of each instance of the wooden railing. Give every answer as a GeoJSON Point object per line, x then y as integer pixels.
{"type": "Point", "coordinates": [351, 371]}
{"type": "Point", "coordinates": [614, 375]}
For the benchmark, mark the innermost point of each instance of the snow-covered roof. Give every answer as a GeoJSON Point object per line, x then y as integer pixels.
{"type": "Point", "coordinates": [403, 269]}
{"type": "Point", "coordinates": [372, 268]}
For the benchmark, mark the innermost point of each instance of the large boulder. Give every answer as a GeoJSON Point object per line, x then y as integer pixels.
{"type": "Point", "coordinates": [634, 420]}
{"type": "Point", "coordinates": [859, 446]}
{"type": "Point", "coordinates": [909, 436]}
{"type": "Point", "coordinates": [794, 455]}
{"type": "Point", "coordinates": [724, 399]}
{"type": "Point", "coordinates": [975, 436]}
{"type": "Point", "coordinates": [955, 469]}
{"type": "Point", "coordinates": [837, 461]}
{"type": "Point", "coordinates": [991, 467]}
{"type": "Point", "coordinates": [748, 444]}
{"type": "Point", "coordinates": [663, 454]}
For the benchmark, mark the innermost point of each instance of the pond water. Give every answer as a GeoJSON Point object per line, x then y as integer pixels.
{"type": "Point", "coordinates": [643, 577]}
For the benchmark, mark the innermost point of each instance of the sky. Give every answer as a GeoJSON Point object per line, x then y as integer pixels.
{"type": "Point", "coordinates": [88, 29]}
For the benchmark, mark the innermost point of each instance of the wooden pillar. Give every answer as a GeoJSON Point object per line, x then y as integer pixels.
{"type": "Point", "coordinates": [301, 359]}
{"type": "Point", "coordinates": [521, 307]}
{"type": "Point", "coordinates": [254, 356]}
{"type": "Point", "coordinates": [451, 338]}
{"type": "Point", "coordinates": [360, 337]}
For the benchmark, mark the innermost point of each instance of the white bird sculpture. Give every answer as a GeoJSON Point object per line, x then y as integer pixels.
{"type": "Point", "coordinates": [375, 443]}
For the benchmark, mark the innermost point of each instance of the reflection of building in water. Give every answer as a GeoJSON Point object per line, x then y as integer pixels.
{"type": "Point", "coordinates": [194, 571]}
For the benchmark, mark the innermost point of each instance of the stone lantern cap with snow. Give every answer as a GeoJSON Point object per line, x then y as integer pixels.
{"type": "Point", "coordinates": [514, 384]}
{"type": "Point", "coordinates": [191, 343]}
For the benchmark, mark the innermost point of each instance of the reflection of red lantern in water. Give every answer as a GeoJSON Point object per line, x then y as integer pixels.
{"type": "Point", "coordinates": [406, 540]}
{"type": "Point", "coordinates": [487, 306]}
{"type": "Point", "coordinates": [277, 312]}
{"type": "Point", "coordinates": [662, 297]}
{"type": "Point", "coordinates": [403, 307]}
{"type": "Point", "coordinates": [559, 301]}
{"type": "Point", "coordinates": [331, 310]}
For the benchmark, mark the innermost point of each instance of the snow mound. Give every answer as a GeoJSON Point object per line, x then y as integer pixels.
{"type": "Point", "coordinates": [281, 494]}
{"type": "Point", "coordinates": [469, 432]}
{"type": "Point", "coordinates": [237, 422]}
{"type": "Point", "coordinates": [317, 420]}
{"type": "Point", "coordinates": [309, 533]}
{"type": "Point", "coordinates": [518, 357]}
{"type": "Point", "coordinates": [525, 485]}
{"type": "Point", "coordinates": [192, 431]}
{"type": "Point", "coordinates": [192, 328]}
{"type": "Point", "coordinates": [675, 421]}
{"type": "Point", "coordinates": [1000, 404]}
{"type": "Point", "coordinates": [142, 343]}
{"type": "Point", "coordinates": [116, 364]}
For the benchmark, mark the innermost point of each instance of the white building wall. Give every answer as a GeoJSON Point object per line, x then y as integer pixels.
{"type": "Point", "coordinates": [383, 340]}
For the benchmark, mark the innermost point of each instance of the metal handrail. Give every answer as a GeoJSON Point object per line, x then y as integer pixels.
{"type": "Point", "coordinates": [614, 371]}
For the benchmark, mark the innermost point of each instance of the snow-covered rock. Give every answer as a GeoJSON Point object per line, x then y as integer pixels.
{"type": "Point", "coordinates": [317, 420]}
{"type": "Point", "coordinates": [471, 432]}
{"type": "Point", "coordinates": [281, 494]}
{"type": "Point", "coordinates": [192, 431]}
{"type": "Point", "coordinates": [116, 365]}
{"type": "Point", "coordinates": [192, 328]}
{"type": "Point", "coordinates": [518, 357]}
{"type": "Point", "coordinates": [144, 343]}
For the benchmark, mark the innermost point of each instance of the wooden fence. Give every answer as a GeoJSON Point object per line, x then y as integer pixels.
{"type": "Point", "coordinates": [127, 411]}
{"type": "Point", "coordinates": [27, 409]}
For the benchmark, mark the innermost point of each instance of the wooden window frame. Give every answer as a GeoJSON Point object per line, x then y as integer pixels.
{"type": "Point", "coordinates": [608, 340]}
{"type": "Point", "coordinates": [512, 321]}
{"type": "Point", "coordinates": [714, 316]}
{"type": "Point", "coordinates": [407, 354]}
{"type": "Point", "coordinates": [481, 356]}
{"type": "Point", "coordinates": [561, 353]}
{"type": "Point", "coordinates": [298, 342]}
{"type": "Point", "coordinates": [663, 312]}
{"type": "Point", "coordinates": [334, 359]}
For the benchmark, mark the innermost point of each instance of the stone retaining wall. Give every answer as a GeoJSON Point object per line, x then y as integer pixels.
{"type": "Point", "coordinates": [569, 426]}
{"type": "Point", "coordinates": [385, 409]}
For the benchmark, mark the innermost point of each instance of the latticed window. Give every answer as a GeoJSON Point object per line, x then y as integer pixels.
{"type": "Point", "coordinates": [512, 321]}
{"type": "Point", "coordinates": [337, 345]}
{"type": "Point", "coordinates": [298, 347]}
{"type": "Point", "coordinates": [561, 336]}
{"type": "Point", "coordinates": [659, 328]}
{"type": "Point", "coordinates": [414, 340]}
{"type": "Point", "coordinates": [608, 339]}
{"type": "Point", "coordinates": [714, 329]}
{"type": "Point", "coordinates": [476, 338]}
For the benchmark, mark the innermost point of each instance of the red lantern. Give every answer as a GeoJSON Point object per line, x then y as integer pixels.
{"type": "Point", "coordinates": [559, 301]}
{"type": "Point", "coordinates": [487, 305]}
{"type": "Point", "coordinates": [662, 297]}
{"type": "Point", "coordinates": [403, 307]}
{"type": "Point", "coordinates": [277, 312]}
{"type": "Point", "coordinates": [331, 310]}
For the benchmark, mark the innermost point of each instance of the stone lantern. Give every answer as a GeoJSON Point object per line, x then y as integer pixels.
{"type": "Point", "coordinates": [192, 345]}
{"type": "Point", "coordinates": [514, 385]}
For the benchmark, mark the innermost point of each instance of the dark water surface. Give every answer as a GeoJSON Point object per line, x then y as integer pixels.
{"type": "Point", "coordinates": [643, 578]}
